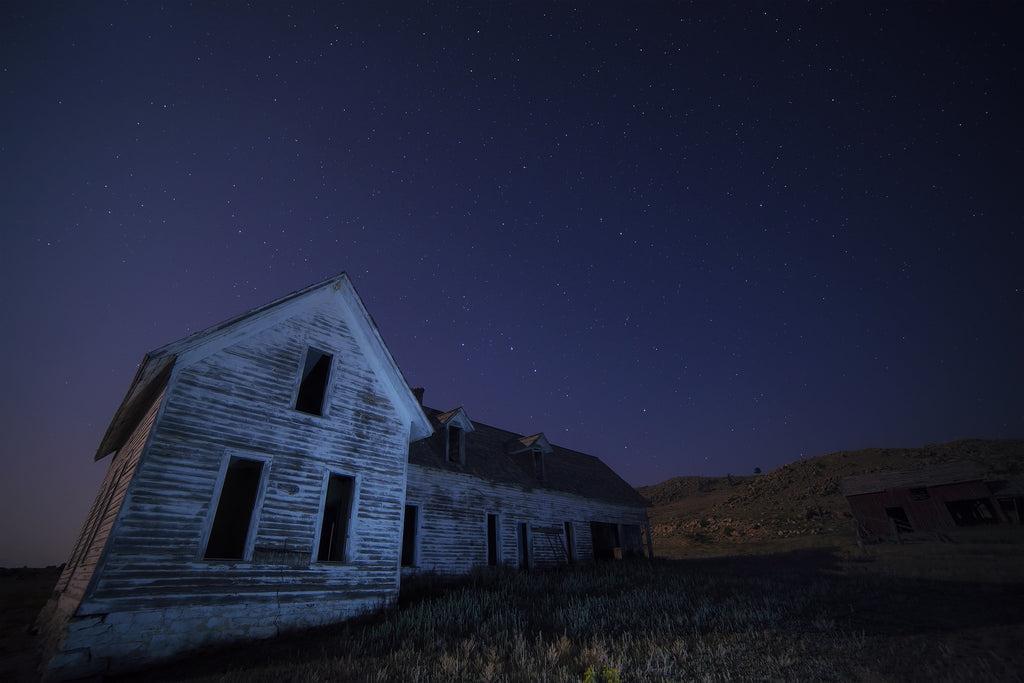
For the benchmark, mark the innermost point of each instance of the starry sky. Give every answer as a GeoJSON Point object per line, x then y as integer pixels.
{"type": "Point", "coordinates": [690, 239]}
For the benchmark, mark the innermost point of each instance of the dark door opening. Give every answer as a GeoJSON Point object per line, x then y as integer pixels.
{"type": "Point", "coordinates": [335, 523]}
{"type": "Point", "coordinates": [492, 541]}
{"type": "Point", "coordinates": [605, 539]}
{"type": "Point", "coordinates": [409, 536]}
{"type": "Point", "coordinates": [632, 541]}
{"type": "Point", "coordinates": [524, 545]}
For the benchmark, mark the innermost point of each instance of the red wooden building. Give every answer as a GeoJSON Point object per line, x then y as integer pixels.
{"type": "Point", "coordinates": [925, 499]}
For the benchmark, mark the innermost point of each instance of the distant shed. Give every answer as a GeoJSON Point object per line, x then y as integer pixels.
{"type": "Point", "coordinates": [924, 499]}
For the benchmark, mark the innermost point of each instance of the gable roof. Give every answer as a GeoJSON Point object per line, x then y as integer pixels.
{"type": "Point", "coordinates": [157, 366]}
{"type": "Point", "coordinates": [534, 442]}
{"type": "Point", "coordinates": [456, 417]}
{"type": "Point", "coordinates": [565, 470]}
{"type": "Point", "coordinates": [938, 474]}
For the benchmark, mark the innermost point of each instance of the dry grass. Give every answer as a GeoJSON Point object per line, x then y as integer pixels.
{"type": "Point", "coordinates": [936, 611]}
{"type": "Point", "coordinates": [767, 584]}
{"type": "Point", "coordinates": [924, 611]}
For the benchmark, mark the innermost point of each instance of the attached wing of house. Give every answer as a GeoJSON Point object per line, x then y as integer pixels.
{"type": "Point", "coordinates": [480, 495]}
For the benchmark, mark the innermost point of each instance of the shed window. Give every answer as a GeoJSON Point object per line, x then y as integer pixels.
{"type": "Point", "coordinates": [315, 374]}
{"type": "Point", "coordinates": [233, 519]}
{"type": "Point", "coordinates": [970, 512]}
{"type": "Point", "coordinates": [334, 527]}
{"type": "Point", "coordinates": [898, 518]}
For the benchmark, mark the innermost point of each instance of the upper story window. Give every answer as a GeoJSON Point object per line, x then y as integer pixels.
{"type": "Point", "coordinates": [455, 425]}
{"type": "Point", "coordinates": [456, 446]}
{"type": "Point", "coordinates": [534, 450]}
{"type": "Point", "coordinates": [538, 464]}
{"type": "Point", "coordinates": [316, 374]}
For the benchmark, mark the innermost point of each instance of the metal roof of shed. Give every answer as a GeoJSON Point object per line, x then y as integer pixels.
{"type": "Point", "coordinates": [921, 477]}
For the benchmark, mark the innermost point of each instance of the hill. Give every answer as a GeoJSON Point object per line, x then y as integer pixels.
{"type": "Point", "coordinates": [798, 504]}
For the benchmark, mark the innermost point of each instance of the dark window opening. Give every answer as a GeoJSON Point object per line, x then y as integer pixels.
{"type": "Point", "coordinates": [233, 518]}
{"type": "Point", "coordinates": [409, 537]}
{"type": "Point", "coordinates": [455, 437]}
{"type": "Point", "coordinates": [524, 545]}
{"type": "Point", "coordinates": [971, 512]}
{"type": "Point", "coordinates": [1011, 507]}
{"type": "Point", "coordinates": [313, 387]}
{"type": "Point", "coordinates": [898, 517]}
{"type": "Point", "coordinates": [492, 540]}
{"type": "Point", "coordinates": [538, 465]}
{"type": "Point", "coordinates": [334, 528]}
{"type": "Point", "coordinates": [919, 494]}
{"type": "Point", "coordinates": [605, 538]}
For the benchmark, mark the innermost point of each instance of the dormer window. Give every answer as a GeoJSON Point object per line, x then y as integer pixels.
{"type": "Point", "coordinates": [456, 448]}
{"type": "Point", "coordinates": [316, 373]}
{"type": "Point", "coordinates": [532, 451]}
{"type": "Point", "coordinates": [538, 464]}
{"type": "Point", "coordinates": [455, 425]}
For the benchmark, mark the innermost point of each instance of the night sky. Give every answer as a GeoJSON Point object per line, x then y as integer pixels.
{"type": "Point", "coordinates": [688, 239]}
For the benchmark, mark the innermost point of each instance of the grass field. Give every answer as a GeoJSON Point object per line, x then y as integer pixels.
{"type": "Point", "coordinates": [930, 611]}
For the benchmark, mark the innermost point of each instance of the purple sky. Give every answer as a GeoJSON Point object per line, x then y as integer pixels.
{"type": "Point", "coordinates": [688, 240]}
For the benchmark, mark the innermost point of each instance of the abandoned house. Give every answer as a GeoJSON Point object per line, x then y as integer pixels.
{"type": "Point", "coordinates": [276, 471]}
{"type": "Point", "coordinates": [888, 504]}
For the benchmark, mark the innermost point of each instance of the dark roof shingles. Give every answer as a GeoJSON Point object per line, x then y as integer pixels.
{"type": "Point", "coordinates": [565, 470]}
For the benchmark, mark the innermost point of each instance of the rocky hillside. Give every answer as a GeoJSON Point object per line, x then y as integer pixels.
{"type": "Point", "coordinates": [798, 500]}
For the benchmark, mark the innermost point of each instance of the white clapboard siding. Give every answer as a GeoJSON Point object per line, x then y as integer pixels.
{"type": "Point", "coordinates": [137, 586]}
{"type": "Point", "coordinates": [453, 509]}
{"type": "Point", "coordinates": [239, 401]}
{"type": "Point", "coordinates": [80, 567]}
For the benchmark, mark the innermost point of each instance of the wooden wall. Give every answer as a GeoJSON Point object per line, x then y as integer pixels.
{"type": "Point", "coordinates": [452, 521]}
{"type": "Point", "coordinates": [81, 564]}
{"type": "Point", "coordinates": [923, 514]}
{"type": "Point", "coordinates": [238, 401]}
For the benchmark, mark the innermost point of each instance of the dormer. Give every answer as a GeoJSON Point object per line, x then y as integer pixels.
{"type": "Point", "coordinates": [537, 446]}
{"type": "Point", "coordinates": [455, 424]}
